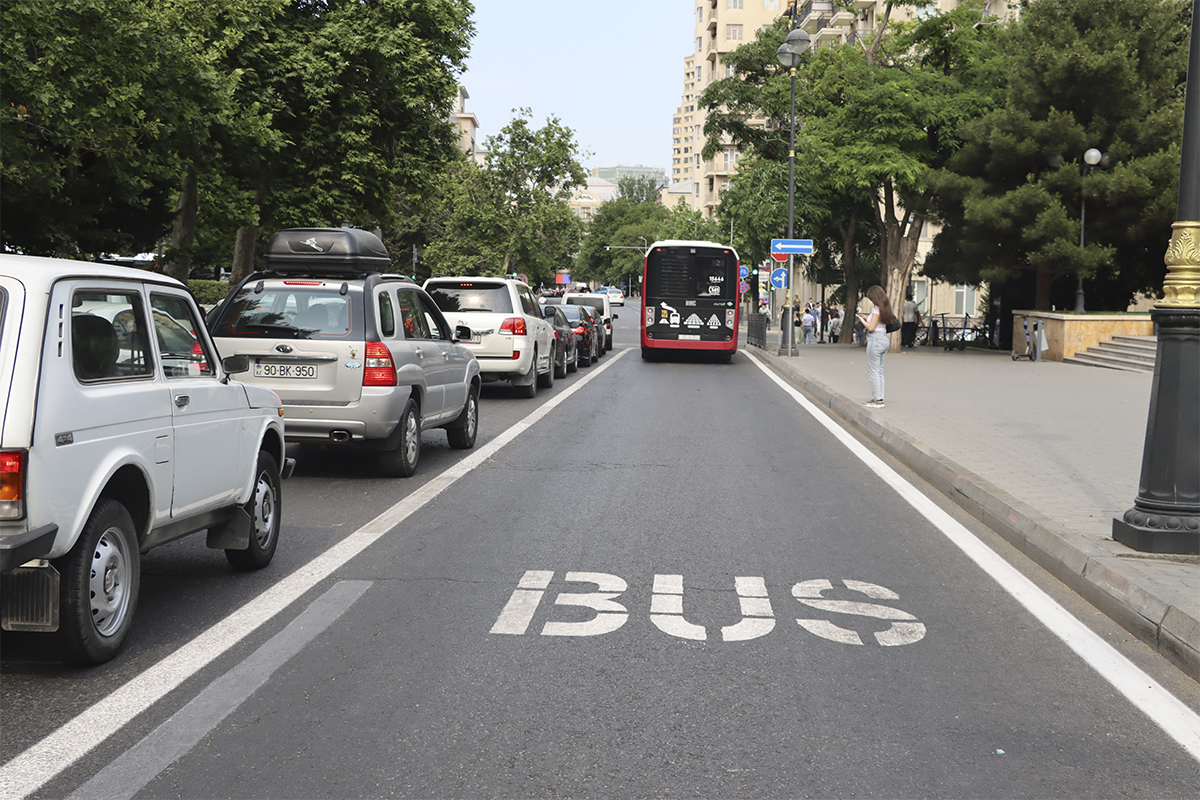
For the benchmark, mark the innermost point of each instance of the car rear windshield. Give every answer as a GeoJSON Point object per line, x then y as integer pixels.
{"type": "Point", "coordinates": [595, 302]}
{"type": "Point", "coordinates": [294, 310]}
{"type": "Point", "coordinates": [471, 296]}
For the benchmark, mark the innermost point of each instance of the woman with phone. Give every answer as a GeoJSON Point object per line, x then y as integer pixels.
{"type": "Point", "coordinates": [875, 324]}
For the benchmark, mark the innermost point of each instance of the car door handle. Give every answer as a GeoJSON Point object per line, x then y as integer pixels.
{"type": "Point", "coordinates": [182, 400]}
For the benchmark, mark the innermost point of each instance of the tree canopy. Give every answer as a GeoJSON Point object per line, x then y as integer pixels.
{"type": "Point", "coordinates": [1070, 75]}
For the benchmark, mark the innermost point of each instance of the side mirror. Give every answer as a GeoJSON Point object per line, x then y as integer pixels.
{"type": "Point", "coordinates": [615, 316]}
{"type": "Point", "coordinates": [462, 333]}
{"type": "Point", "coordinates": [235, 364]}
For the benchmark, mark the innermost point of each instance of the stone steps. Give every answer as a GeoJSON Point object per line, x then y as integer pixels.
{"type": "Point", "coordinates": [1129, 353]}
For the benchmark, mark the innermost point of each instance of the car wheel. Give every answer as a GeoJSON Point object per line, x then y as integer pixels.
{"type": "Point", "coordinates": [573, 363]}
{"type": "Point", "coordinates": [560, 363]}
{"type": "Point", "coordinates": [461, 433]}
{"type": "Point", "coordinates": [530, 390]}
{"type": "Point", "coordinates": [546, 379]}
{"type": "Point", "coordinates": [402, 462]}
{"type": "Point", "coordinates": [264, 510]}
{"type": "Point", "coordinates": [99, 588]}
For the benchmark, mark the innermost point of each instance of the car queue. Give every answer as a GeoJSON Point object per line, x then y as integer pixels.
{"type": "Point", "coordinates": [322, 346]}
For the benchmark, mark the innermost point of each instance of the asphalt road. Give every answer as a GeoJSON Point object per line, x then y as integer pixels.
{"type": "Point", "coordinates": [672, 582]}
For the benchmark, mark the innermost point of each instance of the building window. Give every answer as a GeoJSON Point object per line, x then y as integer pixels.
{"type": "Point", "coordinates": [733, 33]}
{"type": "Point", "coordinates": [733, 5]}
{"type": "Point", "coordinates": [729, 70]}
{"type": "Point", "coordinates": [700, 15]}
{"type": "Point", "coordinates": [770, 5]}
{"type": "Point", "coordinates": [699, 43]}
{"type": "Point", "coordinates": [731, 157]}
{"type": "Point", "coordinates": [964, 299]}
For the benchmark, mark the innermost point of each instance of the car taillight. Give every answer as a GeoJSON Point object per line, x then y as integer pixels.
{"type": "Point", "coordinates": [12, 484]}
{"type": "Point", "coordinates": [379, 369]}
{"type": "Point", "coordinates": [514, 325]}
{"type": "Point", "coordinates": [198, 355]}
{"type": "Point", "coordinates": [581, 331]}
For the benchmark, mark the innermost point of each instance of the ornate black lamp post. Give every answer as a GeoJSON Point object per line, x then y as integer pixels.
{"type": "Point", "coordinates": [1165, 517]}
{"type": "Point", "coordinates": [788, 55]}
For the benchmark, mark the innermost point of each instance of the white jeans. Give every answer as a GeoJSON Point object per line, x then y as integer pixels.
{"type": "Point", "coordinates": [877, 347]}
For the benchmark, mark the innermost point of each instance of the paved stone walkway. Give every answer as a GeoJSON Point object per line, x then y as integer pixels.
{"type": "Point", "coordinates": [1045, 453]}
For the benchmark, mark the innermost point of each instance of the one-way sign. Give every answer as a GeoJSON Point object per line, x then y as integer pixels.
{"type": "Point", "coordinates": [791, 247]}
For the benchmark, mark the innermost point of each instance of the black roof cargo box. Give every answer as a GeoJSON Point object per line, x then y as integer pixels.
{"type": "Point", "coordinates": [327, 251]}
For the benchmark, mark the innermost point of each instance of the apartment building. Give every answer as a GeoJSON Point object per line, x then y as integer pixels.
{"type": "Point", "coordinates": [467, 126]}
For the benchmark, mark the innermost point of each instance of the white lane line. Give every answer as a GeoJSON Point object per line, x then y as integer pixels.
{"type": "Point", "coordinates": [33, 768]}
{"type": "Point", "coordinates": [136, 767]}
{"type": "Point", "coordinates": [1176, 719]}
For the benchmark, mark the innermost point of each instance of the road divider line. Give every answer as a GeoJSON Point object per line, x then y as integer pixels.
{"type": "Point", "coordinates": [125, 777]}
{"type": "Point", "coordinates": [1163, 708]}
{"type": "Point", "coordinates": [33, 768]}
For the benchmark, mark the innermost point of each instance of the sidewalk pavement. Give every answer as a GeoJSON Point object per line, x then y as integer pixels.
{"type": "Point", "coordinates": [1044, 453]}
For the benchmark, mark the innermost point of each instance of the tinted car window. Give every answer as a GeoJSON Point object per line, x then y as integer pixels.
{"type": "Point", "coordinates": [387, 315]}
{"type": "Point", "coordinates": [438, 329]}
{"type": "Point", "coordinates": [471, 296]}
{"type": "Point", "coordinates": [596, 303]}
{"type": "Point", "coordinates": [415, 326]}
{"type": "Point", "coordinates": [295, 309]}
{"type": "Point", "coordinates": [181, 351]}
{"type": "Point", "coordinates": [572, 313]}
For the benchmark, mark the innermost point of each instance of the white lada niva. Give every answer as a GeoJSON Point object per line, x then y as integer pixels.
{"type": "Point", "coordinates": [120, 430]}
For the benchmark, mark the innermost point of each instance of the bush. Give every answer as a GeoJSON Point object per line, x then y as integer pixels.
{"type": "Point", "coordinates": [208, 293]}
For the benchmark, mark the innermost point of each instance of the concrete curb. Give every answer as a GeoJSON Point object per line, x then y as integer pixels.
{"type": "Point", "coordinates": [1088, 569]}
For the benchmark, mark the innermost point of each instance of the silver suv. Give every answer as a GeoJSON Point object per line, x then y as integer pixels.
{"type": "Point", "coordinates": [120, 430]}
{"type": "Point", "coordinates": [360, 357]}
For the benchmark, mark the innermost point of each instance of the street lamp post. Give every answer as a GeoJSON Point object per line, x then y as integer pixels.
{"type": "Point", "coordinates": [1165, 517]}
{"type": "Point", "coordinates": [788, 55]}
{"type": "Point", "coordinates": [1090, 159]}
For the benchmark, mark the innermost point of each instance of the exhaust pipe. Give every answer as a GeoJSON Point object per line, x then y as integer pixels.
{"type": "Point", "coordinates": [339, 436]}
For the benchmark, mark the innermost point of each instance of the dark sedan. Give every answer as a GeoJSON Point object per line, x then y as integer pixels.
{"type": "Point", "coordinates": [584, 326]}
{"type": "Point", "coordinates": [565, 359]}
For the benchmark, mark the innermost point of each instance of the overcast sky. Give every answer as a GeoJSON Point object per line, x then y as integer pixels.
{"type": "Point", "coordinates": [611, 71]}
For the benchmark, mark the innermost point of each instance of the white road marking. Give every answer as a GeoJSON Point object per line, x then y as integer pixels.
{"type": "Point", "coordinates": [1167, 711]}
{"type": "Point", "coordinates": [136, 767]}
{"type": "Point", "coordinates": [43, 761]}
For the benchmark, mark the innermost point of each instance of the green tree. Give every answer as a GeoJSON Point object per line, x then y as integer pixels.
{"type": "Point", "coordinates": [873, 120]}
{"type": "Point", "coordinates": [512, 213]}
{"type": "Point", "coordinates": [106, 104]}
{"type": "Point", "coordinates": [362, 93]}
{"type": "Point", "coordinates": [1071, 75]}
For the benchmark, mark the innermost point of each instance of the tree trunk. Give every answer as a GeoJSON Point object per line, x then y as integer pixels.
{"type": "Point", "coordinates": [850, 266]}
{"type": "Point", "coordinates": [899, 239]}
{"type": "Point", "coordinates": [183, 235]}
{"type": "Point", "coordinates": [1042, 298]}
{"type": "Point", "coordinates": [243, 254]}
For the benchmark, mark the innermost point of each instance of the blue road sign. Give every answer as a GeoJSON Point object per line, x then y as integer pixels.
{"type": "Point", "coordinates": [743, 271]}
{"type": "Point", "coordinates": [792, 247]}
{"type": "Point", "coordinates": [779, 278]}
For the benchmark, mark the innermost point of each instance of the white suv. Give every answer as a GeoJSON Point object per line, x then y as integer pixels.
{"type": "Point", "coordinates": [599, 303]}
{"type": "Point", "coordinates": [509, 336]}
{"type": "Point", "coordinates": [120, 430]}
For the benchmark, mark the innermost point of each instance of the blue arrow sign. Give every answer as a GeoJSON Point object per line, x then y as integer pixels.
{"type": "Point", "coordinates": [792, 247]}
{"type": "Point", "coordinates": [779, 278]}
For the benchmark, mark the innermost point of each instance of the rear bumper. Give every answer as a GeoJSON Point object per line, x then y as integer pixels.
{"type": "Point", "coordinates": [19, 548]}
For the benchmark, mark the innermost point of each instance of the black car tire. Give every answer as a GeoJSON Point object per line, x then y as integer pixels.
{"type": "Point", "coordinates": [461, 433]}
{"type": "Point", "coordinates": [573, 363]}
{"type": "Point", "coordinates": [546, 379]}
{"type": "Point", "coordinates": [560, 362]}
{"type": "Point", "coordinates": [99, 586]}
{"type": "Point", "coordinates": [265, 512]}
{"type": "Point", "coordinates": [402, 462]}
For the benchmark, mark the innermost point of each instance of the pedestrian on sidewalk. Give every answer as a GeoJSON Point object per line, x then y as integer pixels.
{"type": "Point", "coordinates": [875, 324]}
{"type": "Point", "coordinates": [911, 318]}
{"type": "Point", "coordinates": [808, 320]}
{"type": "Point", "coordinates": [835, 325]}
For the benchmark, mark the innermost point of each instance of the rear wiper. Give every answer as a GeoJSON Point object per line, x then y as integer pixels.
{"type": "Point", "coordinates": [274, 328]}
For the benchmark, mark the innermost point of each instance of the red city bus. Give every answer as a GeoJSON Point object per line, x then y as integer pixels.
{"type": "Point", "coordinates": [690, 298]}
